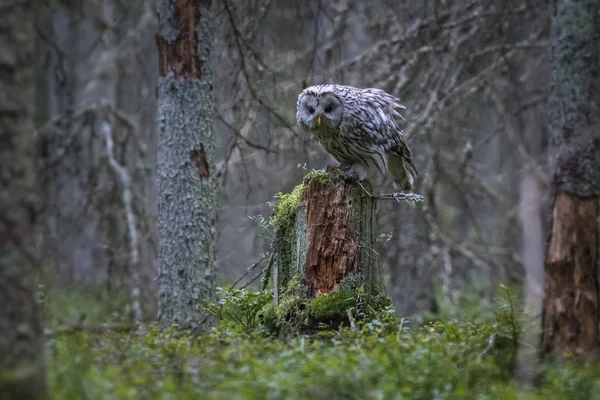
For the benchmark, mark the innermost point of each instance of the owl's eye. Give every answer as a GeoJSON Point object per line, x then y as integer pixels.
{"type": "Point", "coordinates": [328, 109]}
{"type": "Point", "coordinates": [311, 109]}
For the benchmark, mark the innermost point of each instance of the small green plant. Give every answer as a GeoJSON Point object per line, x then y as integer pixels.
{"type": "Point", "coordinates": [238, 307]}
{"type": "Point", "coordinates": [264, 228]}
{"type": "Point", "coordinates": [385, 237]}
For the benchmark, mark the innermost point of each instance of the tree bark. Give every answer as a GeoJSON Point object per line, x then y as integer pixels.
{"type": "Point", "coordinates": [22, 372]}
{"type": "Point", "coordinates": [187, 209]}
{"type": "Point", "coordinates": [532, 254]}
{"type": "Point", "coordinates": [570, 314]}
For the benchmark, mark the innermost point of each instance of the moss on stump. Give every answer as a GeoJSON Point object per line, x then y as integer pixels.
{"type": "Point", "coordinates": [326, 265]}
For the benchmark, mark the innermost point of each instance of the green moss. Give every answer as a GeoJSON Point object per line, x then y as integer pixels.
{"type": "Point", "coordinates": [291, 310]}
{"type": "Point", "coordinates": [287, 205]}
{"type": "Point", "coordinates": [329, 177]}
{"type": "Point", "coordinates": [299, 313]}
{"type": "Point", "coordinates": [332, 305]}
{"type": "Point", "coordinates": [284, 222]}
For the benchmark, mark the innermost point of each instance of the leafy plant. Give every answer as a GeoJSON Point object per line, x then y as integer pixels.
{"type": "Point", "coordinates": [264, 228]}
{"type": "Point", "coordinates": [239, 307]}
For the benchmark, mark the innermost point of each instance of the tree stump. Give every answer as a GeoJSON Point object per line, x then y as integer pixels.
{"type": "Point", "coordinates": [326, 263]}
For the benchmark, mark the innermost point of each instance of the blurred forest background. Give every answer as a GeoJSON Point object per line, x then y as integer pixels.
{"type": "Point", "coordinates": [501, 97]}
{"type": "Point", "coordinates": [473, 74]}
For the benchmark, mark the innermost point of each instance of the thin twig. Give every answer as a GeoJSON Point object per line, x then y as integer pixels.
{"type": "Point", "coordinates": [123, 175]}
{"type": "Point", "coordinates": [351, 319]}
{"type": "Point", "coordinates": [248, 270]}
{"type": "Point", "coordinates": [265, 281]}
{"type": "Point", "coordinates": [489, 346]}
{"type": "Point", "coordinates": [254, 278]}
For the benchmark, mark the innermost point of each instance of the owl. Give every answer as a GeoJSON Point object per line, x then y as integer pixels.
{"type": "Point", "coordinates": [358, 127]}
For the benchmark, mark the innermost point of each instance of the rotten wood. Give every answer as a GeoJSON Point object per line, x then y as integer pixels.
{"type": "Point", "coordinates": [333, 250]}
{"type": "Point", "coordinates": [571, 285]}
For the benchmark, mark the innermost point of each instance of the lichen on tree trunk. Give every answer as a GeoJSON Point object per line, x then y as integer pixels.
{"type": "Point", "coordinates": [325, 248]}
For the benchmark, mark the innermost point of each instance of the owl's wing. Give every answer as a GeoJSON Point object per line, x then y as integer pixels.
{"type": "Point", "coordinates": [383, 128]}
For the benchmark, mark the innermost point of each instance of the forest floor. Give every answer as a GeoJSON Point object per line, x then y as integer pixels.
{"type": "Point", "coordinates": [383, 358]}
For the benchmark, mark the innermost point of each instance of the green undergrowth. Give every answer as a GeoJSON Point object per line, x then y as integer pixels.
{"type": "Point", "coordinates": [382, 358]}
{"type": "Point", "coordinates": [92, 303]}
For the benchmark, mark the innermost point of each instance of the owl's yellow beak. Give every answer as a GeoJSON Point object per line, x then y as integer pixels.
{"type": "Point", "coordinates": [319, 120]}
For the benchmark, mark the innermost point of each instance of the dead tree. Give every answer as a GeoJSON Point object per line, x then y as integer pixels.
{"type": "Point", "coordinates": [327, 267]}
{"type": "Point", "coordinates": [570, 313]}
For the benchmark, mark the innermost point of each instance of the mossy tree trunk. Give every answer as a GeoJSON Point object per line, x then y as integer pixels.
{"type": "Point", "coordinates": [325, 244]}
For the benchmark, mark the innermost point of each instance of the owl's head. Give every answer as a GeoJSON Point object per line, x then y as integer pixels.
{"type": "Point", "coordinates": [319, 108]}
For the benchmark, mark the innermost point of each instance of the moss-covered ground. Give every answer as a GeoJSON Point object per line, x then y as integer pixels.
{"type": "Point", "coordinates": [383, 358]}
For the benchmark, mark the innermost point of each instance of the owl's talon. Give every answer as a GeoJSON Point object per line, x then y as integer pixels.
{"type": "Point", "coordinates": [351, 177]}
{"type": "Point", "coordinates": [350, 174]}
{"type": "Point", "coordinates": [400, 195]}
{"type": "Point", "coordinates": [330, 168]}
{"type": "Point", "coordinates": [410, 196]}
{"type": "Point", "coordinates": [345, 167]}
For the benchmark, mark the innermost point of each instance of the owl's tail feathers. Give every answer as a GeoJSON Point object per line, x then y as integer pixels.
{"type": "Point", "coordinates": [403, 171]}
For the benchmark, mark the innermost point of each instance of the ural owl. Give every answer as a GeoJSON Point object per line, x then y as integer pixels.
{"type": "Point", "coordinates": [358, 127]}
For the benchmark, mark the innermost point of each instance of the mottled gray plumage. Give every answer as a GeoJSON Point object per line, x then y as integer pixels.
{"type": "Point", "coordinates": [358, 127]}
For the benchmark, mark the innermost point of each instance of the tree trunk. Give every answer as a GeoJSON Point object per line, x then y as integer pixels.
{"type": "Point", "coordinates": [325, 245]}
{"type": "Point", "coordinates": [22, 372]}
{"type": "Point", "coordinates": [532, 254]}
{"type": "Point", "coordinates": [570, 316]}
{"type": "Point", "coordinates": [187, 209]}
